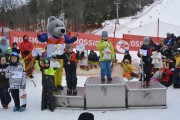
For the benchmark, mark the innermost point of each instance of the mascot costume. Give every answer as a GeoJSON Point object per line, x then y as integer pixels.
{"type": "Point", "coordinates": [56, 40]}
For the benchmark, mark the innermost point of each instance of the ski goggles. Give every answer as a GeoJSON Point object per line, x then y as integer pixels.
{"type": "Point", "coordinates": [14, 54]}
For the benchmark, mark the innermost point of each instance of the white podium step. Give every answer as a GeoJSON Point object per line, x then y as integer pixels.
{"type": "Point", "coordinates": [151, 96]}
{"type": "Point", "coordinates": [62, 100]}
{"type": "Point", "coordinates": [105, 96]}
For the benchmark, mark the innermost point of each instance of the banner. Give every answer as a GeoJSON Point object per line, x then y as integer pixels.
{"type": "Point", "coordinates": [16, 36]}
{"type": "Point", "coordinates": [90, 41]}
{"type": "Point", "coordinates": [129, 42]}
{"type": "Point", "coordinates": [136, 41]}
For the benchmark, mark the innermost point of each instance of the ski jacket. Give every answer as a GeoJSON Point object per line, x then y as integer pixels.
{"type": "Point", "coordinates": [166, 75]}
{"type": "Point", "coordinates": [26, 46]}
{"type": "Point", "coordinates": [14, 81]}
{"type": "Point", "coordinates": [102, 45]}
{"type": "Point", "coordinates": [93, 57]}
{"type": "Point", "coordinates": [69, 60]}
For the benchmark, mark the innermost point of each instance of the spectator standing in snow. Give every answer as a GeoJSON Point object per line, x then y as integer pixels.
{"type": "Point", "coordinates": [17, 80]}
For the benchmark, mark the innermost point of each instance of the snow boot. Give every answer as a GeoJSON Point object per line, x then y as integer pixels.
{"type": "Point", "coordinates": [60, 87]}
{"type": "Point", "coordinates": [69, 91]}
{"type": "Point", "coordinates": [31, 76]}
{"type": "Point", "coordinates": [102, 80]}
{"type": "Point", "coordinates": [21, 109]}
{"type": "Point", "coordinates": [110, 79]}
{"type": "Point", "coordinates": [74, 91]}
{"type": "Point", "coordinates": [55, 88]}
{"type": "Point", "coordinates": [15, 109]}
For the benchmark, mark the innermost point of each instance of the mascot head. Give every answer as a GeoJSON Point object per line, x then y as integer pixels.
{"type": "Point", "coordinates": [55, 26]}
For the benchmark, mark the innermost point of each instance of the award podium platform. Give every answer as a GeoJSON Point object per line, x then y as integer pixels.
{"type": "Point", "coordinates": [153, 96]}
{"type": "Point", "coordinates": [66, 101]}
{"type": "Point", "coordinates": [114, 95]}
{"type": "Point", "coordinates": [107, 95]}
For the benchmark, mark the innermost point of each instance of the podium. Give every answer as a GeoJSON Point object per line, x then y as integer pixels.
{"type": "Point", "coordinates": [108, 95]}
{"type": "Point", "coordinates": [66, 101]}
{"type": "Point", "coordinates": [146, 97]}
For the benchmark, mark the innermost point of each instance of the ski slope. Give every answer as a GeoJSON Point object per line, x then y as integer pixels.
{"type": "Point", "coordinates": [146, 22]}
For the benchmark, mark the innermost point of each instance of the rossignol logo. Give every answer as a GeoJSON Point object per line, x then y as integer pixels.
{"type": "Point", "coordinates": [122, 45]}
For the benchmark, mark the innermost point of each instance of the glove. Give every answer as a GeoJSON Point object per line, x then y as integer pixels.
{"type": "Point", "coordinates": [26, 52]}
{"type": "Point", "coordinates": [55, 68]}
{"type": "Point", "coordinates": [164, 74]}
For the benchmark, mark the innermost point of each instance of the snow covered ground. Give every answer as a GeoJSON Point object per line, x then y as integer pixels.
{"type": "Point", "coordinates": [33, 111]}
{"type": "Point", "coordinates": [145, 22]}
{"type": "Point", "coordinates": [168, 10]}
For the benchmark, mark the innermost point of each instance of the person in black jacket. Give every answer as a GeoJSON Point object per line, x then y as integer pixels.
{"type": "Point", "coordinates": [146, 59]}
{"type": "Point", "coordinates": [4, 84]}
{"type": "Point", "coordinates": [127, 56]}
{"type": "Point", "coordinates": [92, 59]}
{"type": "Point", "coordinates": [70, 65]}
{"type": "Point", "coordinates": [15, 49]}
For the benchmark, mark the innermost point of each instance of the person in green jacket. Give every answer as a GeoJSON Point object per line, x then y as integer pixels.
{"type": "Point", "coordinates": [106, 50]}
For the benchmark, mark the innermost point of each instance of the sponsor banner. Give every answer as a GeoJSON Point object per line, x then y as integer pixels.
{"type": "Point", "coordinates": [90, 41]}
{"type": "Point", "coordinates": [16, 36]}
{"type": "Point", "coordinates": [136, 41]}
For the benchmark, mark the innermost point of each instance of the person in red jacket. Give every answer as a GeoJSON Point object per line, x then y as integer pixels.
{"type": "Point", "coordinates": [166, 77]}
{"type": "Point", "coordinates": [26, 48]}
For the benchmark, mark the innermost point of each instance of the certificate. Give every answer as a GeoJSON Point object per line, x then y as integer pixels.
{"type": "Point", "coordinates": [143, 52]}
{"type": "Point", "coordinates": [17, 74]}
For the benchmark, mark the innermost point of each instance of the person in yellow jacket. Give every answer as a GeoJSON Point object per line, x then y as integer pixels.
{"type": "Point", "coordinates": [106, 50]}
{"type": "Point", "coordinates": [48, 83]}
{"type": "Point", "coordinates": [127, 68]}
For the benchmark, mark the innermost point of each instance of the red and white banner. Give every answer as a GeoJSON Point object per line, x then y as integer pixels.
{"type": "Point", "coordinates": [136, 41]}
{"type": "Point", "coordinates": [129, 42]}
{"type": "Point", "coordinates": [16, 36]}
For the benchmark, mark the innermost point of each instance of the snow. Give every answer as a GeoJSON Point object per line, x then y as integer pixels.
{"type": "Point", "coordinates": [145, 22]}
{"type": "Point", "coordinates": [168, 13]}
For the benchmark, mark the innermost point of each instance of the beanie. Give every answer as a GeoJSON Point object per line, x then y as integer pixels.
{"type": "Point", "coordinates": [104, 34]}
{"type": "Point", "coordinates": [3, 39]}
{"type": "Point", "coordinates": [86, 116]}
{"type": "Point", "coordinates": [126, 51]}
{"type": "Point", "coordinates": [68, 46]}
{"type": "Point", "coordinates": [146, 39]}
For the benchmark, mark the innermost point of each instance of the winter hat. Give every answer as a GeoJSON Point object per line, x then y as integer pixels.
{"type": "Point", "coordinates": [14, 44]}
{"type": "Point", "coordinates": [86, 116]}
{"type": "Point", "coordinates": [91, 51]}
{"type": "Point", "coordinates": [53, 56]}
{"type": "Point", "coordinates": [3, 39]}
{"type": "Point", "coordinates": [104, 34]}
{"type": "Point", "coordinates": [68, 46]}
{"type": "Point", "coordinates": [126, 51]}
{"type": "Point", "coordinates": [146, 39]}
{"type": "Point", "coordinates": [168, 34]}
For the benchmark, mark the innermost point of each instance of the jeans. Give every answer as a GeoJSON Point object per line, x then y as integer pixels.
{"type": "Point", "coordinates": [105, 69]}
